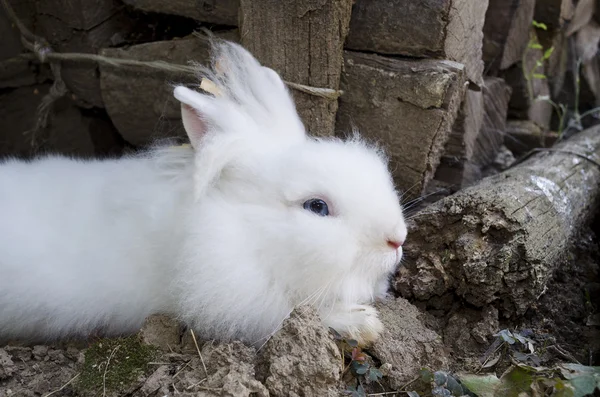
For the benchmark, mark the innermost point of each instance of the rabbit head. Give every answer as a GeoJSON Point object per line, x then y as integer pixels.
{"type": "Point", "coordinates": [280, 218]}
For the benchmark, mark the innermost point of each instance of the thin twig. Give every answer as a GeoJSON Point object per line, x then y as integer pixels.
{"type": "Point", "coordinates": [182, 368]}
{"type": "Point", "coordinates": [410, 382]}
{"type": "Point", "coordinates": [63, 386]}
{"type": "Point", "coordinates": [106, 370]}
{"type": "Point", "coordinates": [196, 384]}
{"type": "Point", "coordinates": [564, 354]}
{"type": "Point", "coordinates": [199, 354]}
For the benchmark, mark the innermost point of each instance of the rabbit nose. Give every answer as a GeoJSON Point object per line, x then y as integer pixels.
{"type": "Point", "coordinates": [395, 244]}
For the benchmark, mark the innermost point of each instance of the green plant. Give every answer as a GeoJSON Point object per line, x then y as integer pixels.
{"type": "Point", "coordinates": [530, 75]}
{"type": "Point", "coordinates": [112, 364]}
{"type": "Point", "coordinates": [359, 364]}
{"type": "Point", "coordinates": [535, 73]}
{"type": "Point", "coordinates": [518, 346]}
{"type": "Point", "coordinates": [563, 380]}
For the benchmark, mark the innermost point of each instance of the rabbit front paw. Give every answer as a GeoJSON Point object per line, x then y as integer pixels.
{"type": "Point", "coordinates": [358, 322]}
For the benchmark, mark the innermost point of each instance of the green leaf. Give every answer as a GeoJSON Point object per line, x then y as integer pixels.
{"type": "Point", "coordinates": [482, 385]}
{"type": "Point", "coordinates": [563, 389]}
{"type": "Point", "coordinates": [539, 76]}
{"type": "Point", "coordinates": [584, 385]}
{"type": "Point", "coordinates": [540, 25]}
{"type": "Point", "coordinates": [360, 369]}
{"type": "Point", "coordinates": [535, 46]}
{"type": "Point", "coordinates": [514, 381]}
{"type": "Point", "coordinates": [336, 335]}
{"type": "Point", "coordinates": [548, 52]}
{"type": "Point", "coordinates": [426, 375]}
{"type": "Point", "coordinates": [454, 387]}
{"type": "Point", "coordinates": [361, 391]}
{"type": "Point", "coordinates": [376, 372]}
{"type": "Point", "coordinates": [440, 378]}
{"type": "Point", "coordinates": [570, 371]}
{"type": "Point", "coordinates": [506, 336]}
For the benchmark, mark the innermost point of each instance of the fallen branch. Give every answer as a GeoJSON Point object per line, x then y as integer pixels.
{"type": "Point", "coordinates": [499, 241]}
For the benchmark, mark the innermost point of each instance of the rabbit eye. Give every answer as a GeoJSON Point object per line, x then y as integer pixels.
{"type": "Point", "coordinates": [317, 206]}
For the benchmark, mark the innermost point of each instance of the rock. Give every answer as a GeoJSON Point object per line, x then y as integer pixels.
{"type": "Point", "coordinates": [406, 343]}
{"type": "Point", "coordinates": [302, 359]}
{"type": "Point", "coordinates": [27, 371]}
{"type": "Point", "coordinates": [162, 331]}
{"type": "Point", "coordinates": [409, 106]}
{"type": "Point", "coordinates": [7, 366]}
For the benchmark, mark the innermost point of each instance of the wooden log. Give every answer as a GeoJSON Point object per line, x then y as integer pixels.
{"type": "Point", "coordinates": [15, 71]}
{"type": "Point", "coordinates": [555, 14]}
{"type": "Point", "coordinates": [496, 94]}
{"type": "Point", "coordinates": [409, 106]}
{"type": "Point", "coordinates": [68, 131]}
{"type": "Point", "coordinates": [456, 168]}
{"type": "Point", "coordinates": [498, 242]}
{"type": "Point", "coordinates": [506, 28]}
{"type": "Point", "coordinates": [222, 12]}
{"type": "Point", "coordinates": [82, 26]}
{"type": "Point", "coordinates": [450, 29]}
{"type": "Point", "coordinates": [476, 139]}
{"type": "Point", "coordinates": [140, 101]}
{"type": "Point", "coordinates": [303, 41]}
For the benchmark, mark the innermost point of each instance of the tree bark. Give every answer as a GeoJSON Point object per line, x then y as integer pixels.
{"type": "Point", "coordinates": [409, 106]}
{"type": "Point", "coordinates": [498, 242]}
{"type": "Point", "coordinates": [448, 29]}
{"type": "Point", "coordinates": [303, 41]}
{"type": "Point", "coordinates": [506, 30]}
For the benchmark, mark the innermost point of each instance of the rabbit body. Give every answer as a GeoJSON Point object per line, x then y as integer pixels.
{"type": "Point", "coordinates": [85, 245]}
{"type": "Point", "coordinates": [229, 235]}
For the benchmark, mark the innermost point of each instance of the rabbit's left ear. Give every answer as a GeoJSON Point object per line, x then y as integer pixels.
{"type": "Point", "coordinates": [195, 122]}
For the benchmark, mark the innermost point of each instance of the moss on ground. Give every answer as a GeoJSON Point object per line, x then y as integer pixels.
{"type": "Point", "coordinates": [114, 364]}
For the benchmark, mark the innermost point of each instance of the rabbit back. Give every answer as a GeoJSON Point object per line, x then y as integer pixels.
{"type": "Point", "coordinates": [83, 246]}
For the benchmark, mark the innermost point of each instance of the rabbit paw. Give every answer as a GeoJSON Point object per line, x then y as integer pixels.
{"type": "Point", "coordinates": [358, 322]}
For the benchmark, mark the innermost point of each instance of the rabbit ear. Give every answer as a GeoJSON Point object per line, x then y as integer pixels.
{"type": "Point", "coordinates": [194, 126]}
{"type": "Point", "coordinates": [242, 97]}
{"type": "Point", "coordinates": [195, 113]}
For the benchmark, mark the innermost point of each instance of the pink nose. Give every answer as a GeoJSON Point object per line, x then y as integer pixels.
{"type": "Point", "coordinates": [395, 244]}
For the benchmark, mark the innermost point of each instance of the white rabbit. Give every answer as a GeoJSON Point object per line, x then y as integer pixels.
{"type": "Point", "coordinates": [230, 234]}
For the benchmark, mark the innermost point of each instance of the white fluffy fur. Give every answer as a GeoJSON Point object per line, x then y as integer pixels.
{"type": "Point", "coordinates": [216, 234]}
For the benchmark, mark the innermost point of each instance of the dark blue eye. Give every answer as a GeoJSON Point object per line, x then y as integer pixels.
{"type": "Point", "coordinates": [317, 206]}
